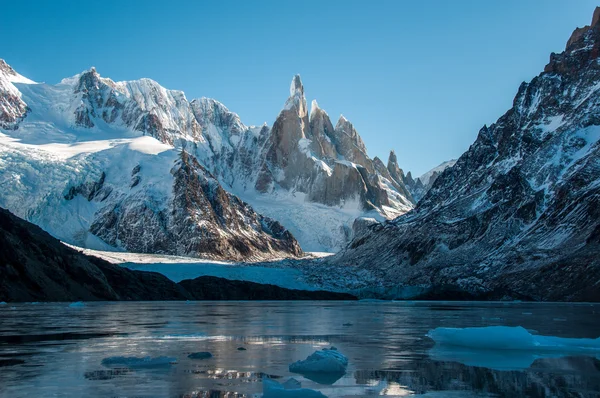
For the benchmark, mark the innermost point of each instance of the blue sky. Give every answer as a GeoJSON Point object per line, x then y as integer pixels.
{"type": "Point", "coordinates": [418, 77]}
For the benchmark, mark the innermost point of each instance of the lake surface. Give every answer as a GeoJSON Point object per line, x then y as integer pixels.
{"type": "Point", "coordinates": [62, 348]}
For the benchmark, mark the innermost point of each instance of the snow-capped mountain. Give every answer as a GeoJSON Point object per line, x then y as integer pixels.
{"type": "Point", "coordinates": [134, 166]}
{"type": "Point", "coordinates": [419, 186]}
{"type": "Point", "coordinates": [79, 166]}
{"type": "Point", "coordinates": [519, 211]}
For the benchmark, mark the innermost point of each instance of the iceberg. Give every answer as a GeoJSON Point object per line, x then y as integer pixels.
{"type": "Point", "coordinates": [290, 389]}
{"type": "Point", "coordinates": [137, 362]}
{"type": "Point", "coordinates": [328, 360]}
{"type": "Point", "coordinates": [504, 347]}
{"type": "Point", "coordinates": [200, 355]}
{"type": "Point", "coordinates": [510, 338]}
{"type": "Point", "coordinates": [77, 304]}
{"type": "Point", "coordinates": [3, 303]}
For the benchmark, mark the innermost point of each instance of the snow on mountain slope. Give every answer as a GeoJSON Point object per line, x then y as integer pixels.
{"type": "Point", "coordinates": [431, 175]}
{"type": "Point", "coordinates": [518, 212]}
{"type": "Point", "coordinates": [419, 186]}
{"type": "Point", "coordinates": [95, 181]}
{"type": "Point", "coordinates": [329, 169]}
{"type": "Point", "coordinates": [12, 106]}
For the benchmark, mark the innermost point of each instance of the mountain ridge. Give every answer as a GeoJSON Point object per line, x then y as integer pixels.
{"type": "Point", "coordinates": [518, 210]}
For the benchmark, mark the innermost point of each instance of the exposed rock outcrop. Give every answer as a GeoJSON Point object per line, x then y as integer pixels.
{"type": "Point", "coordinates": [37, 267]}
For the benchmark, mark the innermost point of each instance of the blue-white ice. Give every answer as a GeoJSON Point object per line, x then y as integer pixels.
{"type": "Point", "coordinates": [137, 362]}
{"type": "Point", "coordinates": [328, 360]}
{"type": "Point", "coordinates": [77, 304]}
{"type": "Point", "coordinates": [2, 302]}
{"type": "Point", "coordinates": [284, 277]}
{"type": "Point", "coordinates": [504, 347]}
{"type": "Point", "coordinates": [290, 389]}
{"type": "Point", "coordinates": [510, 338]}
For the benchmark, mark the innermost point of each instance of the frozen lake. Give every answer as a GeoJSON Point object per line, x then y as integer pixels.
{"type": "Point", "coordinates": [53, 350]}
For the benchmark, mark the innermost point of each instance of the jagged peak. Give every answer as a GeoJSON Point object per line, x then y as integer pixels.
{"type": "Point", "coordinates": [315, 108]}
{"type": "Point", "coordinates": [296, 99]}
{"type": "Point", "coordinates": [12, 75]}
{"type": "Point", "coordinates": [583, 47]}
{"type": "Point", "coordinates": [392, 159]}
{"type": "Point", "coordinates": [296, 88]}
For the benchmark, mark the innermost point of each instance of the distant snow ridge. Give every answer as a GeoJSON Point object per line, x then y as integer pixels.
{"type": "Point", "coordinates": [84, 156]}
{"type": "Point", "coordinates": [419, 186]}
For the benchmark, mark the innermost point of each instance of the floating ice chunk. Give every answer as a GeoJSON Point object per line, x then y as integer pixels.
{"type": "Point", "coordinates": [510, 338]}
{"type": "Point", "coordinates": [137, 362]}
{"type": "Point", "coordinates": [503, 347]}
{"type": "Point", "coordinates": [200, 355]}
{"type": "Point", "coordinates": [290, 389]}
{"type": "Point", "coordinates": [328, 360]}
{"type": "Point", "coordinates": [292, 384]}
{"type": "Point", "coordinates": [77, 304]}
{"type": "Point", "coordinates": [3, 303]}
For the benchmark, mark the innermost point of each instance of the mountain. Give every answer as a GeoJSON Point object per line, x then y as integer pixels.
{"type": "Point", "coordinates": [133, 166]}
{"type": "Point", "coordinates": [34, 266]}
{"type": "Point", "coordinates": [519, 211]}
{"type": "Point", "coordinates": [419, 186]}
{"type": "Point", "coordinates": [94, 163]}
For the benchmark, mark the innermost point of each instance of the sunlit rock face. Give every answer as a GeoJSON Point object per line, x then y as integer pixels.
{"type": "Point", "coordinates": [329, 164]}
{"type": "Point", "coordinates": [519, 210]}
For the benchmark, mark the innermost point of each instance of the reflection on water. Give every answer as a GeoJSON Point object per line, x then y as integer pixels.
{"type": "Point", "coordinates": [54, 350]}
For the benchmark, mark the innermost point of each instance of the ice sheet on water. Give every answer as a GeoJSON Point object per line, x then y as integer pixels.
{"type": "Point", "coordinates": [200, 355]}
{"type": "Point", "coordinates": [290, 389]}
{"type": "Point", "coordinates": [328, 360]}
{"type": "Point", "coordinates": [77, 304]}
{"type": "Point", "coordinates": [138, 362]}
{"type": "Point", "coordinates": [510, 338]}
{"type": "Point", "coordinates": [504, 347]}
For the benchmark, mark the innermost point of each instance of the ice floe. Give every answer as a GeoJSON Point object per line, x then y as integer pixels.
{"type": "Point", "coordinates": [504, 347]}
{"type": "Point", "coordinates": [510, 338]}
{"type": "Point", "coordinates": [328, 360]}
{"type": "Point", "coordinates": [200, 355]}
{"type": "Point", "coordinates": [290, 389]}
{"type": "Point", "coordinates": [138, 362]}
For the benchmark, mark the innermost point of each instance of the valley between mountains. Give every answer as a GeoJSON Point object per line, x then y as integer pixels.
{"type": "Point", "coordinates": [144, 177]}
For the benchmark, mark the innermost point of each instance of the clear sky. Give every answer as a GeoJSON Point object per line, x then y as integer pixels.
{"type": "Point", "coordinates": [420, 77]}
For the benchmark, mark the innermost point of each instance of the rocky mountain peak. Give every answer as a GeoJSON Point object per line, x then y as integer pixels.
{"type": "Point", "coordinates": [596, 16]}
{"type": "Point", "coordinates": [395, 171]}
{"type": "Point", "coordinates": [582, 47]}
{"type": "Point", "coordinates": [6, 68]}
{"type": "Point", "coordinates": [392, 159]}
{"type": "Point", "coordinates": [314, 108]}
{"type": "Point", "coordinates": [296, 88]}
{"type": "Point", "coordinates": [296, 100]}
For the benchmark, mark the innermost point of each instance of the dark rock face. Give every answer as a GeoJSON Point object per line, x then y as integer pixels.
{"type": "Point", "coordinates": [518, 212]}
{"type": "Point", "coordinates": [202, 220]}
{"type": "Point", "coordinates": [213, 288]}
{"type": "Point", "coordinates": [37, 267]}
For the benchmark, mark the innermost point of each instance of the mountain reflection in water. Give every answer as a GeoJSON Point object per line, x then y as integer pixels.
{"type": "Point", "coordinates": [53, 350]}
